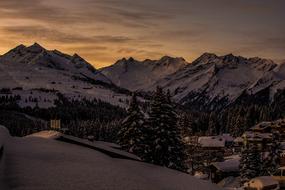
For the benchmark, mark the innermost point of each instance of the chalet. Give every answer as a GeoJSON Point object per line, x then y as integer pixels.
{"type": "Point", "coordinates": [212, 142]}
{"type": "Point", "coordinates": [216, 142]}
{"type": "Point", "coordinates": [221, 170]}
{"type": "Point", "coordinates": [270, 127]}
{"type": "Point", "coordinates": [263, 140]}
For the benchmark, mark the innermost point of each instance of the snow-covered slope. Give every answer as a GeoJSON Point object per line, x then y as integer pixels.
{"type": "Point", "coordinates": [209, 80]}
{"type": "Point", "coordinates": [38, 57]}
{"type": "Point", "coordinates": [216, 77]}
{"type": "Point", "coordinates": [274, 79]}
{"type": "Point", "coordinates": [40, 72]}
{"type": "Point", "coordinates": [44, 164]}
{"type": "Point", "coordinates": [137, 75]}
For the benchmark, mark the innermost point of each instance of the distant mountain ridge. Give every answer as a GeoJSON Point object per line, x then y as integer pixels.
{"type": "Point", "coordinates": [37, 55]}
{"type": "Point", "coordinates": [141, 75]}
{"type": "Point", "coordinates": [41, 73]}
{"type": "Point", "coordinates": [209, 82]}
{"type": "Point", "coordinates": [212, 78]}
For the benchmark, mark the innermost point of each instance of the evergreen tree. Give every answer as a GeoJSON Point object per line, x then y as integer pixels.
{"type": "Point", "coordinates": [212, 126]}
{"type": "Point", "coordinates": [271, 163]}
{"type": "Point", "coordinates": [185, 126]}
{"type": "Point", "coordinates": [250, 163]}
{"type": "Point", "coordinates": [167, 148]}
{"type": "Point", "coordinates": [131, 135]}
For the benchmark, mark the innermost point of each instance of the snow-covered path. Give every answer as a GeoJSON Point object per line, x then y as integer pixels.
{"type": "Point", "coordinates": [43, 164]}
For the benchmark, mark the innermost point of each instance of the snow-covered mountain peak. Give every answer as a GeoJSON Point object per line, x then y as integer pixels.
{"type": "Point", "coordinates": [231, 60]}
{"type": "Point", "coordinates": [122, 60]}
{"type": "Point", "coordinates": [126, 61]}
{"type": "Point", "coordinates": [36, 48]}
{"type": "Point", "coordinates": [205, 59]}
{"type": "Point", "coordinates": [34, 67]}
{"type": "Point", "coordinates": [140, 75]}
{"type": "Point", "coordinates": [76, 59]}
{"type": "Point", "coordinates": [131, 59]}
{"type": "Point", "coordinates": [79, 63]}
{"type": "Point", "coordinates": [24, 54]}
{"type": "Point", "coordinates": [215, 78]}
{"type": "Point", "coordinates": [174, 61]}
{"type": "Point", "coordinates": [19, 48]}
{"type": "Point", "coordinates": [169, 59]}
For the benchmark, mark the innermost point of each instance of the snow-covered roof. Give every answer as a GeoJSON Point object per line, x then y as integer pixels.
{"type": "Point", "coordinates": [231, 165]}
{"type": "Point", "coordinates": [46, 134]}
{"type": "Point", "coordinates": [107, 148]}
{"type": "Point", "coordinates": [212, 141]}
{"type": "Point", "coordinates": [230, 182]}
{"type": "Point", "coordinates": [282, 168]}
{"type": "Point", "coordinates": [262, 181]}
{"type": "Point", "coordinates": [235, 156]}
{"type": "Point", "coordinates": [37, 163]}
{"type": "Point", "coordinates": [228, 137]}
{"type": "Point", "coordinates": [113, 145]}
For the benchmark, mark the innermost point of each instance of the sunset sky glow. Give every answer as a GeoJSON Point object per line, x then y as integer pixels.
{"type": "Point", "coordinates": [103, 31]}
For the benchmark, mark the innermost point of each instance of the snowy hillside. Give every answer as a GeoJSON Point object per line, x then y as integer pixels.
{"type": "Point", "coordinates": [210, 80]}
{"type": "Point", "coordinates": [213, 78]}
{"type": "Point", "coordinates": [70, 166]}
{"type": "Point", "coordinates": [275, 79]}
{"type": "Point", "coordinates": [137, 75]}
{"type": "Point", "coordinates": [40, 73]}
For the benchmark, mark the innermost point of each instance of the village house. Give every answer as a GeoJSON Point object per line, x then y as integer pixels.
{"type": "Point", "coordinates": [221, 170]}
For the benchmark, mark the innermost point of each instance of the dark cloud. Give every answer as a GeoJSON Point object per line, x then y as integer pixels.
{"type": "Point", "coordinates": [59, 12]}
{"type": "Point", "coordinates": [34, 9]}
{"type": "Point", "coordinates": [55, 35]}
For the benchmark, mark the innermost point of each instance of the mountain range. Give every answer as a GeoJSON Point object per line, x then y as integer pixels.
{"type": "Point", "coordinates": [210, 81]}
{"type": "Point", "coordinates": [36, 73]}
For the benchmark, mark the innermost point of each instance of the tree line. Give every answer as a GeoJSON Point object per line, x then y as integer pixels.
{"type": "Point", "coordinates": [154, 135]}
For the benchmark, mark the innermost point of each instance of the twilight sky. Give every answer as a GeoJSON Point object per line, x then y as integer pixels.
{"type": "Point", "coordinates": [103, 31]}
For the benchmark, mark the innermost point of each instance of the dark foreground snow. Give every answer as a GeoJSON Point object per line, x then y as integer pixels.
{"type": "Point", "coordinates": [44, 164]}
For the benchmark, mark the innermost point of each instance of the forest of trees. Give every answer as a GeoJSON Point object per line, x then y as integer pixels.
{"type": "Point", "coordinates": [234, 118]}
{"type": "Point", "coordinates": [237, 117]}
{"type": "Point", "coordinates": [155, 135]}
{"type": "Point", "coordinates": [153, 130]}
{"type": "Point", "coordinates": [83, 118]}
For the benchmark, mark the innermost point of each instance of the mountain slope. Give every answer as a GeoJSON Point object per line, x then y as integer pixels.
{"type": "Point", "coordinates": [213, 78]}
{"type": "Point", "coordinates": [275, 80]}
{"type": "Point", "coordinates": [136, 75]}
{"type": "Point", "coordinates": [46, 72]}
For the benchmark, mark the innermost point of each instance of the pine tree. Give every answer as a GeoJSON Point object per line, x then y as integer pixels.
{"type": "Point", "coordinates": [212, 126]}
{"type": "Point", "coordinates": [131, 135]}
{"type": "Point", "coordinates": [167, 148]}
{"type": "Point", "coordinates": [185, 126]}
{"type": "Point", "coordinates": [250, 163]}
{"type": "Point", "coordinates": [271, 163]}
